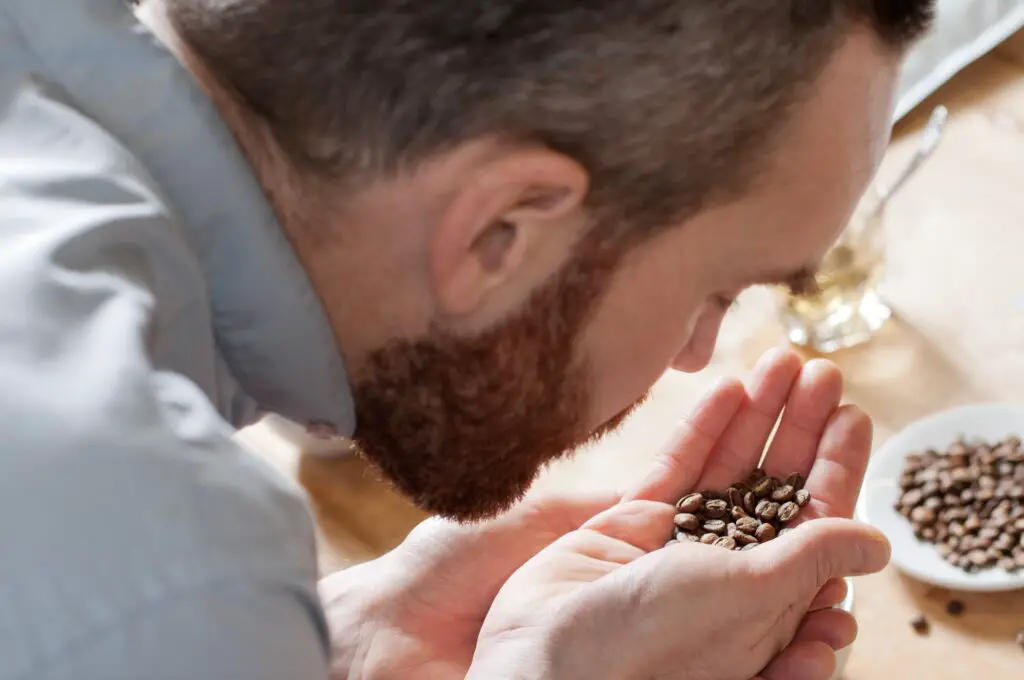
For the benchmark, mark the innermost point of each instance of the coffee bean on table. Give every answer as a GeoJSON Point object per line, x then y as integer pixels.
{"type": "Point", "coordinates": [920, 624]}
{"type": "Point", "coordinates": [955, 608]}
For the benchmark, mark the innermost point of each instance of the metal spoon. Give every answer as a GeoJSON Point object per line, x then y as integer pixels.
{"type": "Point", "coordinates": [930, 138]}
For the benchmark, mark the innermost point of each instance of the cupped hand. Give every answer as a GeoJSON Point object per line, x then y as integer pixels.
{"type": "Point", "coordinates": [604, 601]}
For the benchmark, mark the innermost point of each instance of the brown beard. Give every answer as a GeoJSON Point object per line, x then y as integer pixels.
{"type": "Point", "coordinates": [463, 426]}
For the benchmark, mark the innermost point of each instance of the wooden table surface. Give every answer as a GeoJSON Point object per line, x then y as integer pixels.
{"type": "Point", "coordinates": [956, 281]}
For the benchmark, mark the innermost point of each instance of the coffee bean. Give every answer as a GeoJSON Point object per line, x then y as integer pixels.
{"type": "Point", "coordinates": [764, 487]}
{"type": "Point", "coordinates": [747, 524]}
{"type": "Point", "coordinates": [923, 516]}
{"type": "Point", "coordinates": [741, 515]}
{"type": "Point", "coordinates": [788, 512]}
{"type": "Point", "coordinates": [715, 526]}
{"type": "Point", "coordinates": [687, 521]}
{"type": "Point", "coordinates": [1008, 564]}
{"type": "Point", "coordinates": [767, 510]}
{"type": "Point", "coordinates": [691, 504]}
{"type": "Point", "coordinates": [783, 494]}
{"type": "Point", "coordinates": [743, 538]}
{"type": "Point", "coordinates": [955, 608]}
{"type": "Point", "coordinates": [920, 625]}
{"type": "Point", "coordinates": [726, 542]}
{"type": "Point", "coordinates": [796, 480]}
{"type": "Point", "coordinates": [715, 509]}
{"type": "Point", "coordinates": [765, 533]}
{"type": "Point", "coordinates": [757, 475]}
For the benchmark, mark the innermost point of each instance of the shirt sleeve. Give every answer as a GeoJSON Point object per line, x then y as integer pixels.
{"type": "Point", "coordinates": [137, 538]}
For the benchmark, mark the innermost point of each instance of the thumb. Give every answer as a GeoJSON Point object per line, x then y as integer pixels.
{"type": "Point", "coordinates": [825, 549]}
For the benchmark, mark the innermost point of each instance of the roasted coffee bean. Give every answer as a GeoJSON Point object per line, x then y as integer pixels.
{"type": "Point", "coordinates": [955, 608]}
{"type": "Point", "coordinates": [796, 480]}
{"type": "Point", "coordinates": [757, 475]}
{"type": "Point", "coordinates": [736, 494]}
{"type": "Point", "coordinates": [743, 538]}
{"type": "Point", "coordinates": [747, 524]}
{"type": "Point", "coordinates": [1008, 564]}
{"type": "Point", "coordinates": [767, 511]}
{"type": "Point", "coordinates": [715, 526]}
{"type": "Point", "coordinates": [746, 517]}
{"type": "Point", "coordinates": [788, 512]}
{"type": "Point", "coordinates": [687, 521]}
{"type": "Point", "coordinates": [716, 509]}
{"type": "Point", "coordinates": [765, 533]}
{"type": "Point", "coordinates": [923, 516]}
{"type": "Point", "coordinates": [764, 487]}
{"type": "Point", "coordinates": [920, 625]}
{"type": "Point", "coordinates": [783, 494]}
{"type": "Point", "coordinates": [691, 504]}
{"type": "Point", "coordinates": [726, 542]}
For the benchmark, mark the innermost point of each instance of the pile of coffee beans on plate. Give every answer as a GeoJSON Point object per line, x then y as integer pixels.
{"type": "Point", "coordinates": [744, 516]}
{"type": "Point", "coordinates": [969, 502]}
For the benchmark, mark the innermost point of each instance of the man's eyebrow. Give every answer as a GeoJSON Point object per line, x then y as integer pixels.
{"type": "Point", "coordinates": [799, 281]}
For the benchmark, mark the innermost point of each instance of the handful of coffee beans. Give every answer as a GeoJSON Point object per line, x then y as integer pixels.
{"type": "Point", "coordinates": [744, 516]}
{"type": "Point", "coordinates": [968, 501]}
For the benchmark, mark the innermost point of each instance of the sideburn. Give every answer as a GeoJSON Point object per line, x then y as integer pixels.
{"type": "Point", "coordinates": [463, 426]}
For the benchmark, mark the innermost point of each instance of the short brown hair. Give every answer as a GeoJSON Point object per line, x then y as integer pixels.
{"type": "Point", "coordinates": [667, 103]}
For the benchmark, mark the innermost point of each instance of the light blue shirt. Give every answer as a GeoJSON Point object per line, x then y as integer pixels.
{"type": "Point", "coordinates": [149, 304]}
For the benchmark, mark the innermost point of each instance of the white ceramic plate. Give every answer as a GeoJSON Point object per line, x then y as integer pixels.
{"type": "Point", "coordinates": [919, 560]}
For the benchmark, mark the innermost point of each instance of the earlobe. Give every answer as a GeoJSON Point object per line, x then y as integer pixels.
{"type": "Point", "coordinates": [511, 211]}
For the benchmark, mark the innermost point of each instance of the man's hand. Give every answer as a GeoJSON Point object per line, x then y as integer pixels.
{"type": "Point", "coordinates": [417, 612]}
{"type": "Point", "coordinates": [605, 602]}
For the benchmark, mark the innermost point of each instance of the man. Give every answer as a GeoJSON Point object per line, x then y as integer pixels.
{"type": "Point", "coordinates": [469, 234]}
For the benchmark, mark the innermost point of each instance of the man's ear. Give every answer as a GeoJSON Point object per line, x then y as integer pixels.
{"type": "Point", "coordinates": [514, 220]}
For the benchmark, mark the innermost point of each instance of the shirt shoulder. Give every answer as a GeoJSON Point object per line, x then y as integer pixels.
{"type": "Point", "coordinates": [126, 507]}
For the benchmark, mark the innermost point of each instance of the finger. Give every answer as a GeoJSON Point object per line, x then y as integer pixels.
{"type": "Point", "coordinates": [740, 448]}
{"type": "Point", "coordinates": [559, 513]}
{"type": "Point", "coordinates": [835, 628]}
{"type": "Point", "coordinates": [677, 470]}
{"type": "Point", "coordinates": [838, 472]}
{"type": "Point", "coordinates": [642, 524]}
{"type": "Point", "coordinates": [830, 595]}
{"type": "Point", "coordinates": [816, 552]}
{"type": "Point", "coordinates": [802, 661]}
{"type": "Point", "coordinates": [811, 404]}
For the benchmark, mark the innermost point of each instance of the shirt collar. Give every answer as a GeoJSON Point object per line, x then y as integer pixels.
{"type": "Point", "coordinates": [268, 322]}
